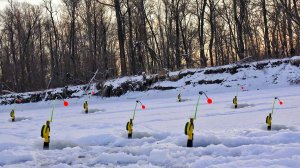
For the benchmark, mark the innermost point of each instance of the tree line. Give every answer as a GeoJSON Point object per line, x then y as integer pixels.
{"type": "Point", "coordinates": [42, 46]}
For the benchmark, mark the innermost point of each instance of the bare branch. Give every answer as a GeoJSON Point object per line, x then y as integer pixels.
{"type": "Point", "coordinates": [105, 4]}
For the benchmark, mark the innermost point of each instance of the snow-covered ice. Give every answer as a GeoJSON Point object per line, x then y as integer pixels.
{"type": "Point", "coordinates": [224, 136]}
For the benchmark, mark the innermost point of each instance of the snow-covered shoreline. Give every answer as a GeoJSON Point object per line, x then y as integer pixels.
{"type": "Point", "coordinates": [257, 75]}
{"type": "Point", "coordinates": [224, 137]}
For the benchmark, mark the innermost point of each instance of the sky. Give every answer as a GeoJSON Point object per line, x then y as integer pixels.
{"type": "Point", "coordinates": [4, 3]}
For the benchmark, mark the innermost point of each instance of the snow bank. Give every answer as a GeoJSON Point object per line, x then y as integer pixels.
{"type": "Point", "coordinates": [223, 136]}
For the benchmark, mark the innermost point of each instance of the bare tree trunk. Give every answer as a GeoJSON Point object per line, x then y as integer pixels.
{"type": "Point", "coordinates": [266, 32]}
{"type": "Point", "coordinates": [274, 38]}
{"type": "Point", "coordinates": [103, 35]}
{"type": "Point", "coordinates": [200, 13]}
{"type": "Point", "coordinates": [284, 36]}
{"type": "Point", "coordinates": [297, 49]}
{"type": "Point", "coordinates": [290, 32]}
{"type": "Point", "coordinates": [155, 58]}
{"type": "Point", "coordinates": [168, 28]}
{"type": "Point", "coordinates": [95, 35]}
{"type": "Point", "coordinates": [162, 40]}
{"type": "Point", "coordinates": [43, 66]}
{"type": "Point", "coordinates": [121, 37]}
{"type": "Point", "coordinates": [13, 51]}
{"type": "Point", "coordinates": [131, 53]}
{"type": "Point", "coordinates": [72, 40]}
{"type": "Point", "coordinates": [91, 56]}
{"type": "Point", "coordinates": [54, 50]}
{"type": "Point", "coordinates": [177, 32]}
{"type": "Point", "coordinates": [239, 20]}
{"type": "Point", "coordinates": [186, 53]}
{"type": "Point", "coordinates": [212, 31]}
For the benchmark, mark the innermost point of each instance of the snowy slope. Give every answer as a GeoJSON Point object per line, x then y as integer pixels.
{"type": "Point", "coordinates": [256, 75]}
{"type": "Point", "coordinates": [224, 136]}
{"type": "Point", "coordinates": [250, 76]}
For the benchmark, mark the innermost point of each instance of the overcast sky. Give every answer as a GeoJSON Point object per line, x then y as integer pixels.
{"type": "Point", "coordinates": [4, 3]}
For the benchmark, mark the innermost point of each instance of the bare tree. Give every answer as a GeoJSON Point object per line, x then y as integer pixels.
{"type": "Point", "coordinates": [72, 6]}
{"type": "Point", "coordinates": [266, 32]}
{"type": "Point", "coordinates": [121, 36]}
{"type": "Point", "coordinates": [201, 6]}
